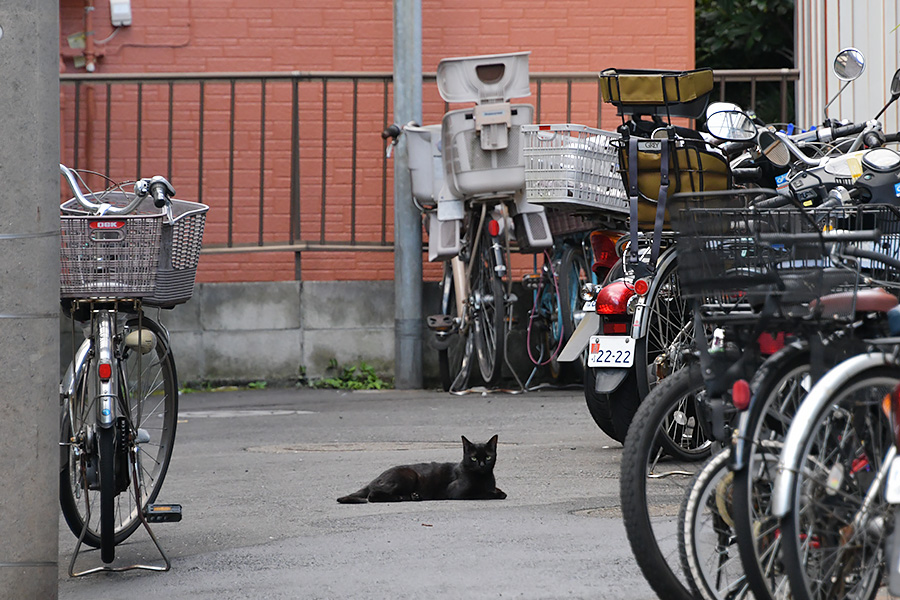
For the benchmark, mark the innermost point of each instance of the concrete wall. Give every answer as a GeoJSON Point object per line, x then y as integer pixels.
{"type": "Point", "coordinates": [276, 332]}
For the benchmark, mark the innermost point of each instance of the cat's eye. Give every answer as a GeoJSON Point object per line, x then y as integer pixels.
{"type": "Point", "coordinates": [474, 458]}
{"type": "Point", "coordinates": [489, 457]}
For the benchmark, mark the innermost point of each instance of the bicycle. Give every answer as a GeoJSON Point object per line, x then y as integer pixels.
{"type": "Point", "coordinates": [468, 180]}
{"type": "Point", "coordinates": [121, 252]}
{"type": "Point", "coordinates": [745, 285]}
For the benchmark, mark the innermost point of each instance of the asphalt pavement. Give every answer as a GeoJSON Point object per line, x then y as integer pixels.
{"type": "Point", "coordinates": [258, 471]}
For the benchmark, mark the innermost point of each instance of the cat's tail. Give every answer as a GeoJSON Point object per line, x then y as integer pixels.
{"type": "Point", "coordinates": [360, 497]}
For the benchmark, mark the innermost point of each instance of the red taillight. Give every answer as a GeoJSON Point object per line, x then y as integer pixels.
{"type": "Point", "coordinates": [494, 227]}
{"type": "Point", "coordinates": [740, 394]}
{"type": "Point", "coordinates": [613, 299]}
{"type": "Point", "coordinates": [770, 344]}
{"type": "Point", "coordinates": [603, 243]}
{"type": "Point", "coordinates": [104, 370]}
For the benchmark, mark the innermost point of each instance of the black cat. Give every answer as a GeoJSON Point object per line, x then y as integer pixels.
{"type": "Point", "coordinates": [471, 479]}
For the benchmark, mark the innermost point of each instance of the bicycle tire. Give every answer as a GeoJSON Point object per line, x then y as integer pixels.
{"type": "Point", "coordinates": [669, 329]}
{"type": "Point", "coordinates": [778, 386]}
{"type": "Point", "coordinates": [489, 314]}
{"type": "Point", "coordinates": [653, 539]}
{"type": "Point", "coordinates": [107, 450]}
{"type": "Point", "coordinates": [824, 553]}
{"type": "Point", "coordinates": [707, 544]}
{"type": "Point", "coordinates": [451, 351]}
{"type": "Point", "coordinates": [155, 414]}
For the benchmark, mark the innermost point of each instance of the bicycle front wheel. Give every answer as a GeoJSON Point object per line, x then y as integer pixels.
{"type": "Point", "coordinates": [709, 552]}
{"type": "Point", "coordinates": [833, 535]}
{"type": "Point", "coordinates": [653, 486]}
{"type": "Point", "coordinates": [143, 438]}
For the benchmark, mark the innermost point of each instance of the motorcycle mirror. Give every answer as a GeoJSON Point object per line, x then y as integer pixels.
{"type": "Point", "coordinates": [773, 148]}
{"type": "Point", "coordinates": [731, 125]}
{"type": "Point", "coordinates": [719, 107]}
{"type": "Point", "coordinates": [895, 93]}
{"type": "Point", "coordinates": [849, 64]}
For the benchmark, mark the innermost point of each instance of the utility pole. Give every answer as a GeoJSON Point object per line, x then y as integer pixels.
{"type": "Point", "coordinates": [29, 298]}
{"type": "Point", "coordinates": [407, 220]}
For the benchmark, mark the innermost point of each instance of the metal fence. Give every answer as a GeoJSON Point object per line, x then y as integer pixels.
{"type": "Point", "coordinates": [295, 161]}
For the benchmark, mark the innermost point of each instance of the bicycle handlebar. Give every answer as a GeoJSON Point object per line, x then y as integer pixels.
{"type": "Point", "coordinates": [158, 186]}
{"type": "Point", "coordinates": [871, 235]}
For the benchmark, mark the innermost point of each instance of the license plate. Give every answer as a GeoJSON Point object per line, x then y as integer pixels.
{"type": "Point", "coordinates": [611, 351]}
{"type": "Point", "coordinates": [892, 483]}
{"type": "Point", "coordinates": [589, 306]}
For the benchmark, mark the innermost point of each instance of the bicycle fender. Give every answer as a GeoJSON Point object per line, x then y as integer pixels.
{"type": "Point", "coordinates": [817, 398]}
{"type": "Point", "coordinates": [67, 385]}
{"type": "Point", "coordinates": [580, 338]}
{"type": "Point", "coordinates": [608, 380]}
{"type": "Point", "coordinates": [641, 315]}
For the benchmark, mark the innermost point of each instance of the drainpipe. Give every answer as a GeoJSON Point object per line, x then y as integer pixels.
{"type": "Point", "coordinates": [407, 220]}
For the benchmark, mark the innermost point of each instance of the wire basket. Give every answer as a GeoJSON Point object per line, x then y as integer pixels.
{"type": "Point", "coordinates": [573, 166]}
{"type": "Point", "coordinates": [724, 249]}
{"type": "Point", "coordinates": [139, 255]}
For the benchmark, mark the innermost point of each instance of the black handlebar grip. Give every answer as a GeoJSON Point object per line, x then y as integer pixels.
{"type": "Point", "coordinates": [746, 174]}
{"type": "Point", "coordinates": [893, 137]}
{"type": "Point", "coordinates": [847, 130]}
{"type": "Point", "coordinates": [393, 131]}
{"type": "Point", "coordinates": [159, 193]}
{"type": "Point", "coordinates": [773, 202]}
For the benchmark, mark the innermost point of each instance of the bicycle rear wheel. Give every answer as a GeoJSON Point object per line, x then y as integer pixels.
{"type": "Point", "coordinates": [833, 535]}
{"type": "Point", "coordinates": [488, 312]}
{"type": "Point", "coordinates": [148, 410]}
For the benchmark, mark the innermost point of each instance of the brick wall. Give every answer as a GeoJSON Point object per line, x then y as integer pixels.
{"type": "Point", "coordinates": [301, 35]}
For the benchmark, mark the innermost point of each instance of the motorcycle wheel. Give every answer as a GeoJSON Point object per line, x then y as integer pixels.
{"type": "Point", "coordinates": [614, 411]}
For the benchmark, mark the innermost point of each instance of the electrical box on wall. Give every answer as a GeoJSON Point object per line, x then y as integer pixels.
{"type": "Point", "coordinates": [120, 12]}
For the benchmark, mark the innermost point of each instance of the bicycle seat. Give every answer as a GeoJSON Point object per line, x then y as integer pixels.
{"type": "Point", "coordinates": [867, 300]}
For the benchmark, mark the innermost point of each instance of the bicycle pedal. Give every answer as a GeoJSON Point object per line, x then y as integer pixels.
{"type": "Point", "coordinates": [439, 322]}
{"type": "Point", "coordinates": [163, 513]}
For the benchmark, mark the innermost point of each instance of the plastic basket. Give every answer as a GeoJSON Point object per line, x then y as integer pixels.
{"type": "Point", "coordinates": [139, 255]}
{"type": "Point", "coordinates": [723, 250]}
{"type": "Point", "coordinates": [573, 166]}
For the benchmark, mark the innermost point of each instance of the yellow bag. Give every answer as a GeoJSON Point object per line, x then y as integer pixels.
{"type": "Point", "coordinates": [692, 168]}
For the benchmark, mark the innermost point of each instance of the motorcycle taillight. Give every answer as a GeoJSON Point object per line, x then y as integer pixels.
{"type": "Point", "coordinates": [603, 244]}
{"type": "Point", "coordinates": [613, 298]}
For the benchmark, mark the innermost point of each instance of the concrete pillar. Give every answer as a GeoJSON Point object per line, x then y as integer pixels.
{"type": "Point", "coordinates": [29, 298]}
{"type": "Point", "coordinates": [407, 220]}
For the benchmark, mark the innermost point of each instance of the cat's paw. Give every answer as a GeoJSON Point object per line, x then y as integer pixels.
{"type": "Point", "coordinates": [415, 497]}
{"type": "Point", "coordinates": [499, 494]}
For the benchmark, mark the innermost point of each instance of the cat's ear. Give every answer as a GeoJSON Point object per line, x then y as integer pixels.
{"type": "Point", "coordinates": [492, 443]}
{"type": "Point", "coordinates": [466, 444]}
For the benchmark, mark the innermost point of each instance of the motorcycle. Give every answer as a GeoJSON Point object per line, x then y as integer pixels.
{"type": "Point", "coordinates": [637, 327]}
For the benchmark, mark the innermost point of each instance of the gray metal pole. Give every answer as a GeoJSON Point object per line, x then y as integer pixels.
{"type": "Point", "coordinates": [407, 220]}
{"type": "Point", "coordinates": [29, 297]}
